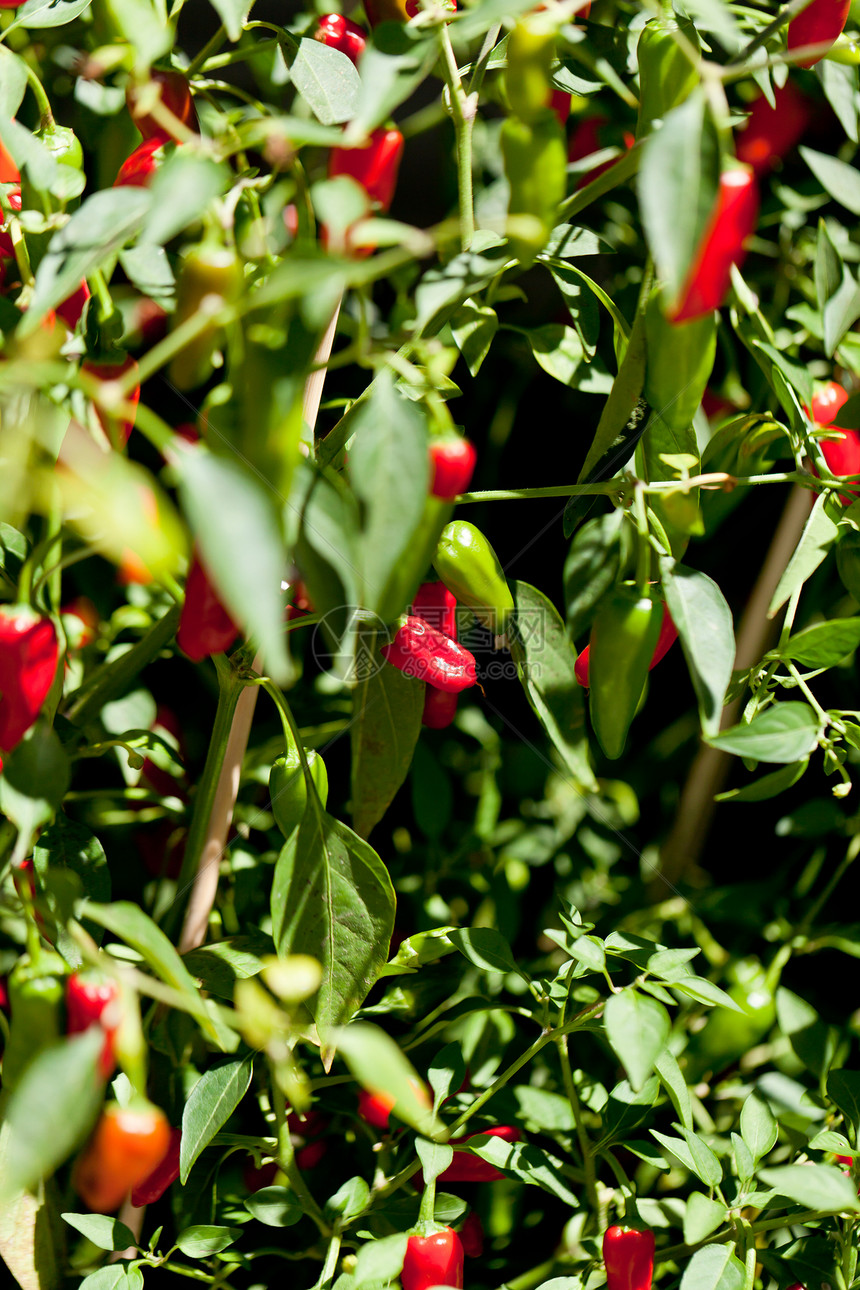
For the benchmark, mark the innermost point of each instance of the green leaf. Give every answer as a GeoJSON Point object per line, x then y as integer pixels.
{"type": "Point", "coordinates": [383, 734]}
{"type": "Point", "coordinates": [332, 898]}
{"type": "Point", "coordinates": [392, 67]}
{"type": "Point", "coordinates": [236, 523]}
{"type": "Point", "coordinates": [843, 1089]}
{"type": "Point", "coordinates": [767, 786]}
{"type": "Point", "coordinates": [69, 847]}
{"type": "Point", "coordinates": [203, 1240]}
{"type": "Point", "coordinates": [349, 1201]}
{"type": "Point", "coordinates": [435, 1157]}
{"type": "Point", "coordinates": [41, 14]}
{"type": "Point", "coordinates": [379, 1262]}
{"type": "Point", "coordinates": [183, 188]}
{"type": "Point", "coordinates": [591, 569]}
{"type": "Point", "coordinates": [143, 27]}
{"type": "Point", "coordinates": [528, 1163]}
{"type": "Point", "coordinates": [211, 1102]}
{"type": "Point", "coordinates": [704, 623]}
{"type": "Point", "coordinates": [378, 1064]}
{"type": "Point", "coordinates": [275, 1206]}
{"type": "Point", "coordinates": [637, 1028]}
{"type": "Point", "coordinates": [233, 14]}
{"type": "Point", "coordinates": [114, 1277]}
{"type": "Point", "coordinates": [106, 1233]}
{"type": "Point", "coordinates": [823, 645]}
{"type": "Point", "coordinates": [620, 421]}
{"type": "Point", "coordinates": [34, 781]}
{"type": "Point", "coordinates": [783, 733]}
{"type": "Point", "coordinates": [714, 1267]}
{"type": "Point", "coordinates": [545, 662]}
{"type": "Point", "coordinates": [444, 288]}
{"type": "Point", "coordinates": [487, 949]}
{"type": "Point", "coordinates": [672, 1079]}
{"type": "Point", "coordinates": [474, 327]}
{"type": "Point", "coordinates": [821, 1187]}
{"type": "Point", "coordinates": [327, 81]}
{"type": "Point", "coordinates": [677, 188]}
{"type": "Point", "coordinates": [818, 536]}
{"type": "Point", "coordinates": [558, 350]}
{"type": "Point", "coordinates": [759, 1129]}
{"type": "Point", "coordinates": [51, 1111]}
{"type": "Point", "coordinates": [837, 178]}
{"type": "Point", "coordinates": [702, 1216]}
{"type": "Point", "coordinates": [13, 82]}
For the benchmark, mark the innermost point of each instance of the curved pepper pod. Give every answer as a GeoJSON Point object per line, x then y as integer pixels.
{"type": "Point", "coordinates": [770, 132]}
{"type": "Point", "coordinates": [470, 569]}
{"type": "Point", "coordinates": [842, 455]}
{"type": "Point", "coordinates": [341, 33]}
{"type": "Point", "coordinates": [374, 166]}
{"type": "Point", "coordinates": [624, 638]}
{"type": "Point", "coordinates": [820, 23]}
{"type": "Point", "coordinates": [628, 1255]}
{"type": "Point", "coordinates": [452, 464]}
{"type": "Point", "coordinates": [732, 221]}
{"type": "Point", "coordinates": [440, 709]}
{"type": "Point", "coordinates": [86, 1001]}
{"type": "Point", "coordinates": [665, 641]}
{"type": "Point", "coordinates": [125, 1147]}
{"type": "Point", "coordinates": [435, 1260]}
{"type": "Point", "coordinates": [437, 606]}
{"type": "Point", "coordinates": [468, 1168]}
{"type": "Point", "coordinates": [153, 1187]}
{"type": "Point", "coordinates": [115, 372]}
{"type": "Point", "coordinates": [28, 663]}
{"type": "Point", "coordinates": [175, 96]}
{"type": "Point", "coordinates": [472, 1236]}
{"type": "Point", "coordinates": [288, 787]}
{"type": "Point", "coordinates": [205, 626]}
{"type": "Point", "coordinates": [421, 651]}
{"type": "Point", "coordinates": [138, 170]}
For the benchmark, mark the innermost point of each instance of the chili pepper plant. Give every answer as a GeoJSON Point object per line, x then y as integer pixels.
{"type": "Point", "coordinates": [430, 581]}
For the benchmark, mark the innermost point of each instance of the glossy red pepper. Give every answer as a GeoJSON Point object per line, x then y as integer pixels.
{"type": "Point", "coordinates": [375, 1108]}
{"type": "Point", "coordinates": [73, 306]}
{"type": "Point", "coordinates": [341, 33]}
{"type": "Point", "coordinates": [86, 1002]}
{"type": "Point", "coordinates": [205, 626]}
{"type": "Point", "coordinates": [138, 170]}
{"type": "Point", "coordinates": [826, 403]}
{"type": "Point", "coordinates": [820, 23]}
{"type": "Point", "coordinates": [452, 464]}
{"type": "Point", "coordinates": [6, 247]}
{"type": "Point", "coordinates": [28, 664]}
{"type": "Point", "coordinates": [468, 1168]}
{"type": "Point", "coordinates": [153, 1187]}
{"type": "Point", "coordinates": [665, 641]}
{"type": "Point", "coordinates": [842, 455]}
{"type": "Point", "coordinates": [114, 372]}
{"type": "Point", "coordinates": [176, 97]}
{"type": "Point", "coordinates": [421, 651]}
{"type": "Point", "coordinates": [732, 221]}
{"type": "Point", "coordinates": [770, 132]}
{"type": "Point", "coordinates": [435, 1260]}
{"type": "Point", "coordinates": [126, 1145]}
{"type": "Point", "coordinates": [628, 1256]}
{"type": "Point", "coordinates": [440, 709]}
{"type": "Point", "coordinates": [591, 135]}
{"type": "Point", "coordinates": [437, 606]}
{"type": "Point", "coordinates": [9, 173]}
{"type": "Point", "coordinates": [472, 1236]}
{"type": "Point", "coordinates": [374, 166]}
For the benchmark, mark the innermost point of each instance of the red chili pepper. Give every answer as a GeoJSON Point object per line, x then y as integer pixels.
{"type": "Point", "coordinates": [115, 372]}
{"type": "Point", "coordinates": [590, 136]}
{"type": "Point", "coordinates": [452, 462]}
{"type": "Point", "coordinates": [205, 626]}
{"type": "Point", "coordinates": [665, 641]}
{"type": "Point", "coordinates": [9, 173]}
{"type": "Point", "coordinates": [468, 1168]}
{"type": "Point", "coordinates": [341, 33]}
{"type": "Point", "coordinates": [138, 170]}
{"type": "Point", "coordinates": [770, 132]}
{"type": "Point", "coordinates": [472, 1236]}
{"type": "Point", "coordinates": [421, 651]}
{"type": "Point", "coordinates": [842, 455]}
{"type": "Point", "coordinates": [153, 1187]}
{"type": "Point", "coordinates": [375, 1108]}
{"type": "Point", "coordinates": [126, 1145]}
{"type": "Point", "coordinates": [437, 606]}
{"type": "Point", "coordinates": [560, 103]}
{"type": "Point", "coordinates": [435, 1260]}
{"type": "Point", "coordinates": [86, 1001]}
{"type": "Point", "coordinates": [628, 1256]}
{"type": "Point", "coordinates": [820, 23]}
{"type": "Point", "coordinates": [176, 97]}
{"type": "Point", "coordinates": [826, 403]}
{"type": "Point", "coordinates": [374, 166]}
{"type": "Point", "coordinates": [440, 709]}
{"type": "Point", "coordinates": [301, 603]}
{"type": "Point", "coordinates": [73, 306]}
{"type": "Point", "coordinates": [306, 1133]}
{"type": "Point", "coordinates": [6, 247]}
{"type": "Point", "coordinates": [28, 664]}
{"type": "Point", "coordinates": [732, 221]}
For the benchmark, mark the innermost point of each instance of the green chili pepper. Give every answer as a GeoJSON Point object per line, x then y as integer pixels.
{"type": "Point", "coordinates": [470, 569]}
{"type": "Point", "coordinates": [211, 275]}
{"type": "Point", "coordinates": [535, 157]}
{"type": "Point", "coordinates": [623, 639]}
{"type": "Point", "coordinates": [36, 991]}
{"type": "Point", "coordinates": [288, 787]}
{"type": "Point", "coordinates": [530, 52]}
{"type": "Point", "coordinates": [666, 75]}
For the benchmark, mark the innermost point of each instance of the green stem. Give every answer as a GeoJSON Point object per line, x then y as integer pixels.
{"type": "Point", "coordinates": [463, 110]}
{"type": "Point", "coordinates": [103, 295]}
{"type": "Point", "coordinates": [582, 1137]}
{"type": "Point", "coordinates": [112, 678]}
{"type": "Point", "coordinates": [287, 1162]}
{"type": "Point", "coordinates": [332, 1255]}
{"type": "Point", "coordinates": [784, 16]}
{"type": "Point", "coordinates": [213, 43]}
{"type": "Point", "coordinates": [41, 98]}
{"type": "Point", "coordinates": [523, 1060]}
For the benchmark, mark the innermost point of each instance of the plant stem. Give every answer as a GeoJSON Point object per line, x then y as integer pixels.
{"type": "Point", "coordinates": [785, 15]}
{"type": "Point", "coordinates": [463, 108]}
{"type": "Point", "coordinates": [287, 1162]}
{"type": "Point", "coordinates": [582, 1137]}
{"type": "Point", "coordinates": [214, 42]}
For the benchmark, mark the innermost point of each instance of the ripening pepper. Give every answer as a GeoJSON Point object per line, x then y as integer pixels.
{"type": "Point", "coordinates": [665, 641]}
{"type": "Point", "coordinates": [9, 173]}
{"type": "Point", "coordinates": [205, 626]}
{"type": "Point", "coordinates": [375, 1108]}
{"type": "Point", "coordinates": [732, 221]}
{"type": "Point", "coordinates": [593, 134]}
{"type": "Point", "coordinates": [210, 277]}
{"type": "Point", "coordinates": [421, 651]}
{"type": "Point", "coordinates": [535, 159]}
{"type": "Point", "coordinates": [63, 145]}
{"type": "Point", "coordinates": [81, 622]}
{"type": "Point", "coordinates": [138, 170]}
{"type": "Point", "coordinates": [374, 166]}
{"type": "Point", "coordinates": [175, 96]}
{"type": "Point", "coordinates": [560, 102]}
{"type": "Point", "coordinates": [433, 1260]}
{"type": "Point", "coordinates": [820, 23]}
{"type": "Point", "coordinates": [86, 1002]}
{"type": "Point", "coordinates": [126, 1145]}
{"type": "Point", "coordinates": [470, 569]}
{"type": "Point", "coordinates": [452, 464]}
{"type": "Point", "coordinates": [624, 637]}
{"type": "Point", "coordinates": [468, 1168]}
{"type": "Point", "coordinates": [472, 1236]}
{"type": "Point", "coordinates": [72, 308]}
{"type": "Point", "coordinates": [842, 455]}
{"type": "Point", "coordinates": [165, 1173]}
{"type": "Point", "coordinates": [770, 132]}
{"type": "Point", "coordinates": [628, 1255]}
{"type": "Point", "coordinates": [437, 606]}
{"type": "Point", "coordinates": [28, 663]}
{"type": "Point", "coordinates": [666, 75]}
{"type": "Point", "coordinates": [288, 787]}
{"type": "Point", "coordinates": [341, 33]}
{"type": "Point", "coordinates": [35, 991]}
{"type": "Point", "coordinates": [440, 709]}
{"type": "Point", "coordinates": [114, 371]}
